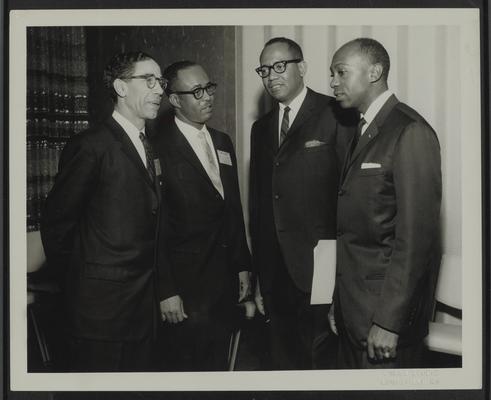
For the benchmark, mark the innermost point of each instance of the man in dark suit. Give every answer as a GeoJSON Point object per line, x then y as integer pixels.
{"type": "Point", "coordinates": [296, 152]}
{"type": "Point", "coordinates": [388, 243]}
{"type": "Point", "coordinates": [203, 241]}
{"type": "Point", "coordinates": [100, 223]}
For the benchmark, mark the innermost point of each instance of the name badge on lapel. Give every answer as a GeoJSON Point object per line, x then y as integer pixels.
{"type": "Point", "coordinates": [158, 168]}
{"type": "Point", "coordinates": [224, 157]}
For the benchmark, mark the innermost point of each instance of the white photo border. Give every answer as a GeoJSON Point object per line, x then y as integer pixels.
{"type": "Point", "coordinates": [467, 377]}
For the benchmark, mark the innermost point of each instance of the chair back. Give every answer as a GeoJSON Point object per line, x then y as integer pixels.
{"type": "Point", "coordinates": [449, 285]}
{"type": "Point", "coordinates": [35, 252]}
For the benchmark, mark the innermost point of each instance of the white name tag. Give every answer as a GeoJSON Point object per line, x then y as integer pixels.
{"type": "Point", "coordinates": [224, 157]}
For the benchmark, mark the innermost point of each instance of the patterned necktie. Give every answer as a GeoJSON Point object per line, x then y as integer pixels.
{"type": "Point", "coordinates": [285, 125]}
{"type": "Point", "coordinates": [148, 155]}
{"type": "Point", "coordinates": [210, 165]}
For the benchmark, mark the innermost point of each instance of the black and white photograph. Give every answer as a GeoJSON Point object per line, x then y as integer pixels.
{"type": "Point", "coordinates": [245, 200]}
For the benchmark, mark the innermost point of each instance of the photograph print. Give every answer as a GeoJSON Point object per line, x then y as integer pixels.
{"type": "Point", "coordinates": [247, 197]}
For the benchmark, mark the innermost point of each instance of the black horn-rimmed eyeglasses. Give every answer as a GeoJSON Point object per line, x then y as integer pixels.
{"type": "Point", "coordinates": [198, 93]}
{"type": "Point", "coordinates": [150, 80]}
{"type": "Point", "coordinates": [279, 67]}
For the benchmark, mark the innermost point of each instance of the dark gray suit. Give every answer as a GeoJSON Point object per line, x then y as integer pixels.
{"type": "Point", "coordinates": [388, 245]}
{"type": "Point", "coordinates": [202, 248]}
{"type": "Point", "coordinates": [293, 195]}
{"type": "Point", "coordinates": [99, 230]}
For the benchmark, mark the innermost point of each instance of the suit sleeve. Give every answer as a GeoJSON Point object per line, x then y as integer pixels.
{"type": "Point", "coordinates": [344, 134]}
{"type": "Point", "coordinates": [166, 281]}
{"type": "Point", "coordinates": [418, 189]}
{"type": "Point", "coordinates": [67, 200]}
{"type": "Point", "coordinates": [240, 250]}
{"type": "Point", "coordinates": [346, 125]}
{"type": "Point", "coordinates": [253, 194]}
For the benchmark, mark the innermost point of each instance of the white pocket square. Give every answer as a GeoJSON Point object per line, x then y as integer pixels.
{"type": "Point", "coordinates": [313, 143]}
{"type": "Point", "coordinates": [369, 165]}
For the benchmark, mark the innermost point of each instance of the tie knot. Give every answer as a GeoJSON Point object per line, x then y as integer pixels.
{"type": "Point", "coordinates": [287, 109]}
{"type": "Point", "coordinates": [362, 122]}
{"type": "Point", "coordinates": [142, 137]}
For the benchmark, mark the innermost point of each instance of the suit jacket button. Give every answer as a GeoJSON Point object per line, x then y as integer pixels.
{"type": "Point", "coordinates": [339, 233]}
{"type": "Point", "coordinates": [276, 196]}
{"type": "Point", "coordinates": [341, 192]}
{"type": "Point", "coordinates": [154, 212]}
{"type": "Point", "coordinates": [277, 164]}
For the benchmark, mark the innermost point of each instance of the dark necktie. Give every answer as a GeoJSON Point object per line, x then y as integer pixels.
{"type": "Point", "coordinates": [358, 134]}
{"type": "Point", "coordinates": [285, 124]}
{"type": "Point", "coordinates": [148, 155]}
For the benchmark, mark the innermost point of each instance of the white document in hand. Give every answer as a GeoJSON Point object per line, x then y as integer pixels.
{"type": "Point", "coordinates": [324, 272]}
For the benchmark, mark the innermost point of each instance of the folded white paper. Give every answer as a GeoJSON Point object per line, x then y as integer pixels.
{"type": "Point", "coordinates": [324, 272]}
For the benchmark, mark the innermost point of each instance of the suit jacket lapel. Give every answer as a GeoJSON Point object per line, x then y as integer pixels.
{"type": "Point", "coordinates": [187, 151]}
{"type": "Point", "coordinates": [217, 145]}
{"type": "Point", "coordinates": [304, 113]}
{"type": "Point", "coordinates": [128, 148]}
{"type": "Point", "coordinates": [371, 132]}
{"type": "Point", "coordinates": [273, 129]}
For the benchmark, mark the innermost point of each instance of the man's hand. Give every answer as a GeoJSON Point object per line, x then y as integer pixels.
{"type": "Point", "coordinates": [332, 320]}
{"type": "Point", "coordinates": [381, 343]}
{"type": "Point", "coordinates": [244, 285]}
{"type": "Point", "coordinates": [172, 310]}
{"type": "Point", "coordinates": [258, 298]}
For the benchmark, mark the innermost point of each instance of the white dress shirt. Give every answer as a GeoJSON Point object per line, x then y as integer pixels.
{"type": "Point", "coordinates": [374, 108]}
{"type": "Point", "coordinates": [191, 135]}
{"type": "Point", "coordinates": [133, 133]}
{"type": "Point", "coordinates": [295, 105]}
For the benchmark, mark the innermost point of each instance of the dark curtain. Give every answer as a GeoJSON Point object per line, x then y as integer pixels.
{"type": "Point", "coordinates": [56, 105]}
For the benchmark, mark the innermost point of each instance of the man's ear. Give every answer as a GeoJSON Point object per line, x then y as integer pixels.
{"type": "Point", "coordinates": [375, 73]}
{"type": "Point", "coordinates": [174, 100]}
{"type": "Point", "coordinates": [302, 67]}
{"type": "Point", "coordinates": [120, 87]}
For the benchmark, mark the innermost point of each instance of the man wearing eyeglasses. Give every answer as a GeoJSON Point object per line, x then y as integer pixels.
{"type": "Point", "coordinates": [100, 224]}
{"type": "Point", "coordinates": [296, 150]}
{"type": "Point", "coordinates": [203, 244]}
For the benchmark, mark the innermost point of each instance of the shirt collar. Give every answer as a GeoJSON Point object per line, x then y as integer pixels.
{"type": "Point", "coordinates": [189, 129]}
{"type": "Point", "coordinates": [375, 107]}
{"type": "Point", "coordinates": [128, 127]}
{"type": "Point", "coordinates": [296, 103]}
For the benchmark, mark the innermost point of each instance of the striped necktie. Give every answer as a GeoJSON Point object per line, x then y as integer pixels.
{"type": "Point", "coordinates": [357, 137]}
{"type": "Point", "coordinates": [148, 155]}
{"type": "Point", "coordinates": [285, 125]}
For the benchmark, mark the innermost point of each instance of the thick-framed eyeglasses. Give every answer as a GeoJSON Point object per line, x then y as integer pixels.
{"type": "Point", "coordinates": [150, 80]}
{"type": "Point", "coordinates": [279, 67]}
{"type": "Point", "coordinates": [198, 93]}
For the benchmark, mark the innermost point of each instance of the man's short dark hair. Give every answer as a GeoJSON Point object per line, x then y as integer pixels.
{"type": "Point", "coordinates": [171, 72]}
{"type": "Point", "coordinates": [376, 52]}
{"type": "Point", "coordinates": [121, 66]}
{"type": "Point", "coordinates": [293, 46]}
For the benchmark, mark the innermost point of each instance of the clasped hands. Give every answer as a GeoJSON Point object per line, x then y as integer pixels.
{"type": "Point", "coordinates": [172, 308]}
{"type": "Point", "coordinates": [381, 344]}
